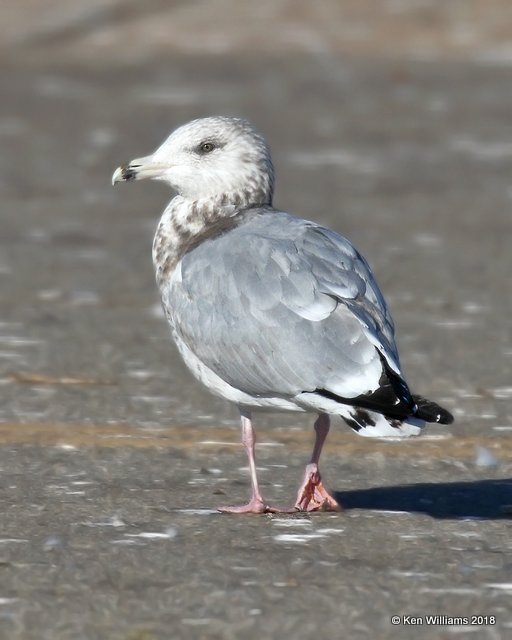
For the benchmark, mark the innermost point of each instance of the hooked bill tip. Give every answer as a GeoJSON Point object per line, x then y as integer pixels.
{"type": "Point", "coordinates": [124, 173]}
{"type": "Point", "coordinates": [117, 176]}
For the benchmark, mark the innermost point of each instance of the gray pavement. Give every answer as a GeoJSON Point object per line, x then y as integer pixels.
{"type": "Point", "coordinates": [113, 460]}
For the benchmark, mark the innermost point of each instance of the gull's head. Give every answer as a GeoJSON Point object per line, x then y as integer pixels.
{"type": "Point", "coordinates": [208, 158]}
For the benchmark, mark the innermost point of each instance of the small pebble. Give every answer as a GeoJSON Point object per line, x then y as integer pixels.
{"type": "Point", "coordinates": [484, 458]}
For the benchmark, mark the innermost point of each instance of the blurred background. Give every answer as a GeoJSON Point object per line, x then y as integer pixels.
{"type": "Point", "coordinates": [389, 120]}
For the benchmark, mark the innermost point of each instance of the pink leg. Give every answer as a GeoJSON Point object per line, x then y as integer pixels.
{"type": "Point", "coordinates": [255, 504]}
{"type": "Point", "coordinates": [312, 495]}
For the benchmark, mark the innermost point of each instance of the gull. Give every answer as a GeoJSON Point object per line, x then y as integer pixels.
{"type": "Point", "coordinates": [268, 310]}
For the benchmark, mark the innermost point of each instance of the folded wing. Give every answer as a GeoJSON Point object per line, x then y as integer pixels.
{"type": "Point", "coordinates": [279, 306]}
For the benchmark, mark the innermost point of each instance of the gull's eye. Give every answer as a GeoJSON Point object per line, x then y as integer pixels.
{"type": "Point", "coordinates": [206, 147]}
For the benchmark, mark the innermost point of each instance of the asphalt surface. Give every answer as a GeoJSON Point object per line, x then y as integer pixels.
{"type": "Point", "coordinates": [113, 460]}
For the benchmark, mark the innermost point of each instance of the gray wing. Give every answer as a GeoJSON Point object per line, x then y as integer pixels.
{"type": "Point", "coordinates": [279, 305]}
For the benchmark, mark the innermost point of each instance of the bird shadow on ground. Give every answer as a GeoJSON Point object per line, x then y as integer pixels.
{"type": "Point", "coordinates": [482, 499]}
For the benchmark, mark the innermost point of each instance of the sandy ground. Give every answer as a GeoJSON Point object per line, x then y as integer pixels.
{"type": "Point", "coordinates": [389, 122]}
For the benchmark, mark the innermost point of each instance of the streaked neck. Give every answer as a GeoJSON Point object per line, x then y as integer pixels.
{"type": "Point", "coordinates": [186, 223]}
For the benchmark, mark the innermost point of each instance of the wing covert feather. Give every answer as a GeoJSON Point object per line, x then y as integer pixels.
{"type": "Point", "coordinates": [279, 305]}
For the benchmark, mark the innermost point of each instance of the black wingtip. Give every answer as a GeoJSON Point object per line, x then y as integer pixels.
{"type": "Point", "coordinates": [431, 411]}
{"type": "Point", "coordinates": [445, 417]}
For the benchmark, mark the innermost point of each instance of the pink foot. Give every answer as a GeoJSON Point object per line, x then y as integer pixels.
{"type": "Point", "coordinates": [255, 505]}
{"type": "Point", "coordinates": [312, 495]}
